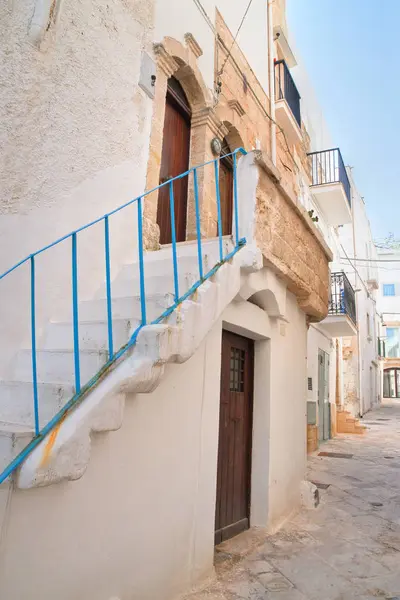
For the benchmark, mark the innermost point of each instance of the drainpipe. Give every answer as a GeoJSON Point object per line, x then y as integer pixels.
{"type": "Point", "coordinates": [271, 67]}
{"type": "Point", "coordinates": [358, 284]}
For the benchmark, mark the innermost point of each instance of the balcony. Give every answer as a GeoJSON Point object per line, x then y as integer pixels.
{"type": "Point", "coordinates": [341, 320]}
{"type": "Point", "coordinates": [331, 186]}
{"type": "Point", "coordinates": [287, 102]}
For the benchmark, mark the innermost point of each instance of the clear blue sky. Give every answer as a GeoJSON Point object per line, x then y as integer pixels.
{"type": "Point", "coordinates": [351, 51]}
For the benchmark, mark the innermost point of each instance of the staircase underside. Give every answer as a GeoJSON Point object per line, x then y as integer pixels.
{"type": "Point", "coordinates": [63, 450]}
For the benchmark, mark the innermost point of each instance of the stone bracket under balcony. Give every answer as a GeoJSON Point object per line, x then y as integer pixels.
{"type": "Point", "coordinates": [331, 186]}
{"type": "Point", "coordinates": [339, 326]}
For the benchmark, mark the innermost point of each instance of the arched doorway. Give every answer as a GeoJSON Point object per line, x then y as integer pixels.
{"type": "Point", "coordinates": [226, 188]}
{"type": "Point", "coordinates": [174, 161]}
{"type": "Point", "coordinates": [391, 383]}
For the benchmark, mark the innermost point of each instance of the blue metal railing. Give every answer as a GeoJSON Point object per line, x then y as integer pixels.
{"type": "Point", "coordinates": [327, 167]}
{"type": "Point", "coordinates": [81, 390]}
{"type": "Point", "coordinates": [342, 300]}
{"type": "Point", "coordinates": [285, 89]}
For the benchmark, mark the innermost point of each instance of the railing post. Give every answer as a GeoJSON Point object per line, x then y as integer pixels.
{"type": "Point", "coordinates": [198, 227]}
{"type": "Point", "coordinates": [141, 262]}
{"type": "Point", "coordinates": [108, 288]}
{"type": "Point", "coordinates": [173, 238]}
{"type": "Point", "coordinates": [33, 339]}
{"type": "Point", "coordinates": [235, 198]}
{"type": "Point", "coordinates": [216, 172]}
{"type": "Point", "coordinates": [75, 313]}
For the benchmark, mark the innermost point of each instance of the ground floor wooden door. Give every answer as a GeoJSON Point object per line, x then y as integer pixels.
{"type": "Point", "coordinates": [324, 417]}
{"type": "Point", "coordinates": [235, 437]}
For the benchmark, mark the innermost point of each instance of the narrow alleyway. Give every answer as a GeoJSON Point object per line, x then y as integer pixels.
{"type": "Point", "coordinates": [349, 547]}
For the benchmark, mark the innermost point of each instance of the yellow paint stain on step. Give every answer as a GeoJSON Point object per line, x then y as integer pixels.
{"type": "Point", "coordinates": [50, 443]}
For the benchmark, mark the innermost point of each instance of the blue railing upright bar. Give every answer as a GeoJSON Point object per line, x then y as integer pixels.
{"type": "Point", "coordinates": [198, 224]}
{"type": "Point", "coordinates": [327, 167]}
{"type": "Point", "coordinates": [173, 239]}
{"type": "Point", "coordinates": [285, 89]}
{"type": "Point", "coordinates": [108, 287]}
{"type": "Point", "coordinates": [218, 197]}
{"type": "Point", "coordinates": [82, 388]}
{"type": "Point", "coordinates": [75, 313]}
{"type": "Point", "coordinates": [33, 342]}
{"type": "Point", "coordinates": [235, 199]}
{"type": "Point", "coordinates": [141, 263]}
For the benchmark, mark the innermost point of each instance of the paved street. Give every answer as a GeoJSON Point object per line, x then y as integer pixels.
{"type": "Point", "coordinates": [349, 547]}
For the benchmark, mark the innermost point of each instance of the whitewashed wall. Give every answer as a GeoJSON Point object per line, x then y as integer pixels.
{"type": "Point", "coordinates": [140, 522]}
{"type": "Point", "coordinates": [74, 137]}
{"type": "Point", "coordinates": [357, 242]}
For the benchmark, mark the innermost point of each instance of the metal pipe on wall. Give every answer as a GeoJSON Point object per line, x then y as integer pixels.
{"type": "Point", "coordinates": [271, 66]}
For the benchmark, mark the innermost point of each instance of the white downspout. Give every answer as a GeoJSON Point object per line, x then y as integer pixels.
{"type": "Point", "coordinates": [358, 311]}
{"type": "Point", "coordinates": [271, 66]}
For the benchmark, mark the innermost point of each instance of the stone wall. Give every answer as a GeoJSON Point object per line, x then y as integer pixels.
{"type": "Point", "coordinates": [290, 242]}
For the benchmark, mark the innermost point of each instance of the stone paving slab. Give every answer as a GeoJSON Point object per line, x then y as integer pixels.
{"type": "Point", "coordinates": [346, 549]}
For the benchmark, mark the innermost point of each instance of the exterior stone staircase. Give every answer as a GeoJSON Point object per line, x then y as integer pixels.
{"type": "Point", "coordinates": [64, 453]}
{"type": "Point", "coordinates": [346, 423]}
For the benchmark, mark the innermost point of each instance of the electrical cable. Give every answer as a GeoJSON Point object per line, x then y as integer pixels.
{"type": "Point", "coordinates": [374, 260]}
{"type": "Point", "coordinates": [203, 11]}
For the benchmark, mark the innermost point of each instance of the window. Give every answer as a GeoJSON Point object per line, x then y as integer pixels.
{"type": "Point", "coordinates": [393, 342]}
{"type": "Point", "coordinates": [389, 289]}
{"type": "Point", "coordinates": [236, 375]}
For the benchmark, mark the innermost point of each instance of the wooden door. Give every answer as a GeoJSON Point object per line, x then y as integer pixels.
{"type": "Point", "coordinates": [323, 397]}
{"type": "Point", "coordinates": [174, 161]}
{"type": "Point", "coordinates": [235, 437]}
{"type": "Point", "coordinates": [226, 190]}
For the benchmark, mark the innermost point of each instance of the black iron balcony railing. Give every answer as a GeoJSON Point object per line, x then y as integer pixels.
{"type": "Point", "coordinates": [343, 300]}
{"type": "Point", "coordinates": [328, 167]}
{"type": "Point", "coordinates": [381, 347]}
{"type": "Point", "coordinates": [285, 89]}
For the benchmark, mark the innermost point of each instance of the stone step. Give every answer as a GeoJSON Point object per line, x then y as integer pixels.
{"type": "Point", "coordinates": [155, 268]}
{"type": "Point", "coordinates": [158, 284]}
{"type": "Point", "coordinates": [16, 401]}
{"type": "Point", "coordinates": [57, 366]}
{"type": "Point", "coordinates": [128, 307]}
{"type": "Point", "coordinates": [13, 439]}
{"type": "Point", "coordinates": [93, 335]}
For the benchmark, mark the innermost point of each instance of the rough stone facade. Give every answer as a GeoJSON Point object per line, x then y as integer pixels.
{"type": "Point", "coordinates": [239, 112]}
{"type": "Point", "coordinates": [351, 395]}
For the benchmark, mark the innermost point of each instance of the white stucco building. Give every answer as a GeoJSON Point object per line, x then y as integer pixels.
{"type": "Point", "coordinates": [389, 307]}
{"type": "Point", "coordinates": [342, 352]}
{"type": "Point", "coordinates": [164, 419]}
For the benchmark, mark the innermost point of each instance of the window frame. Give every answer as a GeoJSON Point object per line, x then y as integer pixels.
{"type": "Point", "coordinates": [392, 288]}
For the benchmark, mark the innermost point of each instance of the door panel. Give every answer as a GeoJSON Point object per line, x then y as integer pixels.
{"type": "Point", "coordinates": [324, 417]}
{"type": "Point", "coordinates": [174, 161]}
{"type": "Point", "coordinates": [235, 434]}
{"type": "Point", "coordinates": [226, 195]}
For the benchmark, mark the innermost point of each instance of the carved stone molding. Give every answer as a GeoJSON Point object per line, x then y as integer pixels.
{"type": "Point", "coordinates": [237, 107]}
{"type": "Point", "coordinates": [165, 60]}
{"type": "Point", "coordinates": [207, 116]}
{"type": "Point", "coordinates": [193, 45]}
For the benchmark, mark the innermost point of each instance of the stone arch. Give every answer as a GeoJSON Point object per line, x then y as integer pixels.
{"type": "Point", "coordinates": [186, 71]}
{"type": "Point", "coordinates": [265, 291]}
{"type": "Point", "coordinates": [230, 116]}
{"type": "Point", "coordinates": [175, 59]}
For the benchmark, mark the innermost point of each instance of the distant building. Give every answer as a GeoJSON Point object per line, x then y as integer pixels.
{"type": "Point", "coordinates": [389, 306]}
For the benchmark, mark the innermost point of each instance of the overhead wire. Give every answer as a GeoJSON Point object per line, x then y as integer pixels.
{"type": "Point", "coordinates": [203, 11]}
